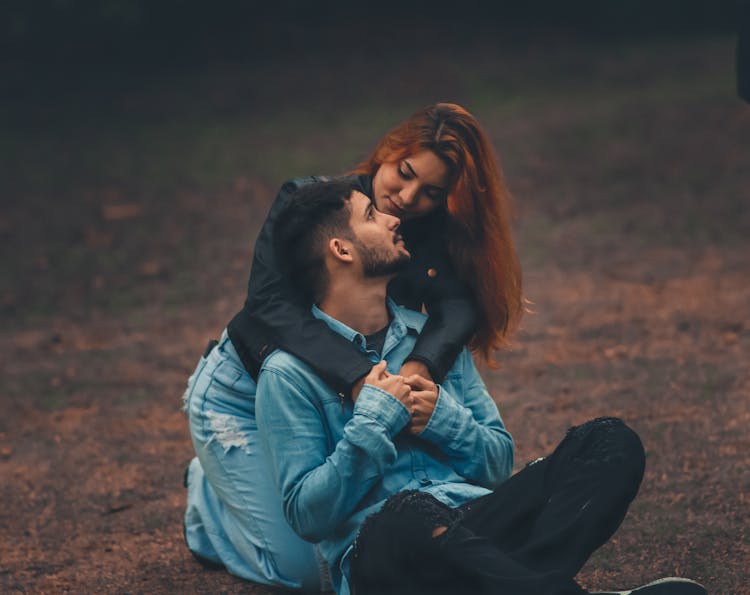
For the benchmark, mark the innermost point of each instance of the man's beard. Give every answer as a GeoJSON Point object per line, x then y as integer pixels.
{"type": "Point", "coordinates": [378, 262]}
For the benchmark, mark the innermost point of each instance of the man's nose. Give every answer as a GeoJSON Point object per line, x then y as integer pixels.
{"type": "Point", "coordinates": [392, 221]}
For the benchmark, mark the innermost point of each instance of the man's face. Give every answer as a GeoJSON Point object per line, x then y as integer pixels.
{"type": "Point", "coordinates": [377, 240]}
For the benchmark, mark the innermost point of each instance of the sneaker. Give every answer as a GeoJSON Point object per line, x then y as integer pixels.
{"type": "Point", "coordinates": [664, 586]}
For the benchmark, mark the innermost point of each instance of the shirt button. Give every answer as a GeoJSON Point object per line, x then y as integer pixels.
{"type": "Point", "coordinates": [432, 272]}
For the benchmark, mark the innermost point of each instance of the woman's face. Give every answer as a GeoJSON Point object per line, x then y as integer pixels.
{"type": "Point", "coordinates": [412, 187]}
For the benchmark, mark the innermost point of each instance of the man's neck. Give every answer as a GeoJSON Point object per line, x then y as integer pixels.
{"type": "Point", "coordinates": [359, 305]}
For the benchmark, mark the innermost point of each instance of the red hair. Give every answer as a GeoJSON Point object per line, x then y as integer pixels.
{"type": "Point", "coordinates": [479, 236]}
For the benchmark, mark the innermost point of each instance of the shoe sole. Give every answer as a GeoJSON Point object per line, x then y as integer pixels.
{"type": "Point", "coordinates": [664, 586]}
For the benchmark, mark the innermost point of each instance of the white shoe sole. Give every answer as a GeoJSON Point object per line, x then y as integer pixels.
{"type": "Point", "coordinates": [664, 586]}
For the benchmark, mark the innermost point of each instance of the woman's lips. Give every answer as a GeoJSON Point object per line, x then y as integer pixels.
{"type": "Point", "coordinates": [394, 209]}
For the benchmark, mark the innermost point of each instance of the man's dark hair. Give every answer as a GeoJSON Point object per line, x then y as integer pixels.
{"type": "Point", "coordinates": [315, 213]}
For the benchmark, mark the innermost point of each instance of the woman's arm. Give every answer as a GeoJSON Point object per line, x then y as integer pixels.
{"type": "Point", "coordinates": [452, 312]}
{"type": "Point", "coordinates": [274, 317]}
{"type": "Point", "coordinates": [451, 324]}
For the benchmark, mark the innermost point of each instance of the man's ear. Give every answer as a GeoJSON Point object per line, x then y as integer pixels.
{"type": "Point", "coordinates": [341, 249]}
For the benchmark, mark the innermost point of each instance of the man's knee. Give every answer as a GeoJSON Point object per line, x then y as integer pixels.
{"type": "Point", "coordinates": [608, 441]}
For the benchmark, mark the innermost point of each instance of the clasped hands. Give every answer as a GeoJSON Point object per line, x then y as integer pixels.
{"type": "Point", "coordinates": [413, 386]}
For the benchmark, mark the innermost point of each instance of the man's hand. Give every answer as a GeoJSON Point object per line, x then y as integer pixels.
{"type": "Point", "coordinates": [424, 395]}
{"type": "Point", "coordinates": [393, 384]}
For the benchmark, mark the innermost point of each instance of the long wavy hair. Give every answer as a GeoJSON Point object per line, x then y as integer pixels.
{"type": "Point", "coordinates": [479, 236]}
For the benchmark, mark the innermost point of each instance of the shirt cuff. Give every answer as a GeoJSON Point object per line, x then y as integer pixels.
{"type": "Point", "coordinates": [440, 426]}
{"type": "Point", "coordinates": [383, 408]}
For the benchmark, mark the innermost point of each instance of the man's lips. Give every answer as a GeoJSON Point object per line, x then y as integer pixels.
{"type": "Point", "coordinates": [398, 239]}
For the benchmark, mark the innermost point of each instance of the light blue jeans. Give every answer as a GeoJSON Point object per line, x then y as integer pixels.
{"type": "Point", "coordinates": [234, 515]}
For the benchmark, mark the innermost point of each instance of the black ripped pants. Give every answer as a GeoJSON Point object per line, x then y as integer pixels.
{"type": "Point", "coordinates": [530, 536]}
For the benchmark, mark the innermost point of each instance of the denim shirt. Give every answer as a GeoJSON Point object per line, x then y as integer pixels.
{"type": "Point", "coordinates": [336, 462]}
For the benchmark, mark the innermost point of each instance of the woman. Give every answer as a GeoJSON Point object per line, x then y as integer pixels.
{"type": "Point", "coordinates": [437, 172]}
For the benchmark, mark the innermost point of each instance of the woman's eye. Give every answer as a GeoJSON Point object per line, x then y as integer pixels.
{"type": "Point", "coordinates": [404, 174]}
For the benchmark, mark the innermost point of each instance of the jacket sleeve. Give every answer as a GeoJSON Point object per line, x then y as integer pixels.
{"type": "Point", "coordinates": [452, 316]}
{"type": "Point", "coordinates": [272, 303]}
{"type": "Point", "coordinates": [322, 484]}
{"type": "Point", "coordinates": [470, 430]}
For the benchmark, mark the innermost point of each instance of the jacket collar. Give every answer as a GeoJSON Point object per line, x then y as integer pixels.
{"type": "Point", "coordinates": [399, 326]}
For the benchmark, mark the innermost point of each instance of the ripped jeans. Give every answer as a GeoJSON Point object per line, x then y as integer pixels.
{"type": "Point", "coordinates": [234, 516]}
{"type": "Point", "coordinates": [530, 536]}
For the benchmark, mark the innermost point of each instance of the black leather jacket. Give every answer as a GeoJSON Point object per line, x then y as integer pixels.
{"type": "Point", "coordinates": [273, 317]}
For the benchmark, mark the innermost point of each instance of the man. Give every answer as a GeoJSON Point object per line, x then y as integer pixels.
{"type": "Point", "coordinates": [407, 487]}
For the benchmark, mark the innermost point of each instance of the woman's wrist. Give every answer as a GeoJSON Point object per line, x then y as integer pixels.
{"type": "Point", "coordinates": [413, 366]}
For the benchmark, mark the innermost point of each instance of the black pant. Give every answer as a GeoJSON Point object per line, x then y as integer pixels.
{"type": "Point", "coordinates": [530, 536]}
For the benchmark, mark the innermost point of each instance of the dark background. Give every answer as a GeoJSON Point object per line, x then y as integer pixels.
{"type": "Point", "coordinates": [68, 35]}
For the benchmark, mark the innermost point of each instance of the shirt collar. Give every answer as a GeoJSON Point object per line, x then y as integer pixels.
{"type": "Point", "coordinates": [398, 326]}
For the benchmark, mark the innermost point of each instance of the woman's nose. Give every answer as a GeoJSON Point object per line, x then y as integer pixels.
{"type": "Point", "coordinates": [408, 194]}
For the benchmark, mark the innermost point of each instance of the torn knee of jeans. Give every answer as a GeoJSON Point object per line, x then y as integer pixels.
{"type": "Point", "coordinates": [226, 430]}
{"type": "Point", "coordinates": [603, 423]}
{"type": "Point", "coordinates": [605, 439]}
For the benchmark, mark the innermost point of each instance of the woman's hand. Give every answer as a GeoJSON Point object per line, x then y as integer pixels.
{"type": "Point", "coordinates": [424, 396]}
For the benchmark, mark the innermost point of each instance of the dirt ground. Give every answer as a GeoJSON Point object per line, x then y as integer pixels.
{"type": "Point", "coordinates": [630, 166]}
